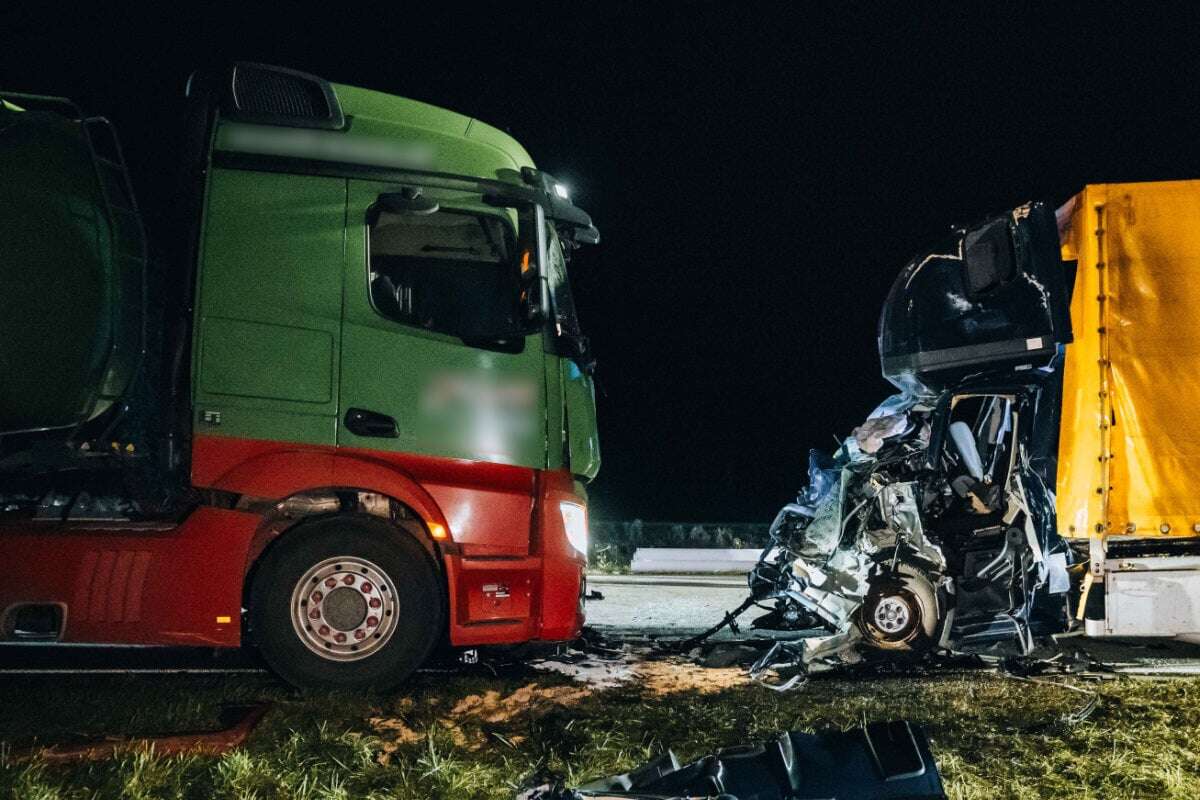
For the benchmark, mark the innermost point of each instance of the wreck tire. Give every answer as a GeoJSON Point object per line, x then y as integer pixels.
{"type": "Point", "coordinates": [900, 614]}
{"type": "Point", "coordinates": [346, 602]}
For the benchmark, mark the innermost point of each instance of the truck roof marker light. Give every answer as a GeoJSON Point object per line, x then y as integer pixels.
{"type": "Point", "coordinates": [437, 530]}
{"type": "Point", "coordinates": [524, 262]}
{"type": "Point", "coordinates": [1165, 528]}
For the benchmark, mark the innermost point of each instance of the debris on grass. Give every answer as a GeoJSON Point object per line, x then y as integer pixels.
{"type": "Point", "coordinates": [600, 672]}
{"type": "Point", "coordinates": [242, 721]}
{"type": "Point", "coordinates": [593, 659]}
{"type": "Point", "coordinates": [474, 720]}
{"type": "Point", "coordinates": [880, 761]}
{"type": "Point", "coordinates": [669, 676]}
{"type": "Point", "coordinates": [530, 699]}
{"type": "Point", "coordinates": [993, 737]}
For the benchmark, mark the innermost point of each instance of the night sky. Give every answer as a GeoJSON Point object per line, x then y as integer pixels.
{"type": "Point", "coordinates": [759, 174]}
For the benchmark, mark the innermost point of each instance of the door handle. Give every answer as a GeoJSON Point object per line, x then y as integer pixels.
{"type": "Point", "coordinates": [361, 422]}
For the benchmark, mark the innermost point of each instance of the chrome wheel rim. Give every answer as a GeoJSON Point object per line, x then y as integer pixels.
{"type": "Point", "coordinates": [344, 608]}
{"type": "Point", "coordinates": [892, 615]}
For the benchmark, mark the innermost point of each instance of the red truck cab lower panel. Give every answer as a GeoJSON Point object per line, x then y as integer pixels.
{"type": "Point", "coordinates": [180, 585]}
{"type": "Point", "coordinates": [135, 584]}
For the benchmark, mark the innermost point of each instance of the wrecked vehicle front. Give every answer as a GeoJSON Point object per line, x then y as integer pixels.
{"type": "Point", "coordinates": [932, 526]}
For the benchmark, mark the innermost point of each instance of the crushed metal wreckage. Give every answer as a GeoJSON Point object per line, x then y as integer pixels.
{"type": "Point", "coordinates": [932, 528]}
{"type": "Point", "coordinates": [883, 760]}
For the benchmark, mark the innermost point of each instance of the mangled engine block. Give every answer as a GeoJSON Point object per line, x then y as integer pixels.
{"type": "Point", "coordinates": [916, 535]}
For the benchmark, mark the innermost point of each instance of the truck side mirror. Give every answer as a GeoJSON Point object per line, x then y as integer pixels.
{"type": "Point", "coordinates": [583, 235]}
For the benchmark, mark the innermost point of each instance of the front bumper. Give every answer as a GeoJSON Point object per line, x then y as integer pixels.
{"type": "Point", "coordinates": [533, 598]}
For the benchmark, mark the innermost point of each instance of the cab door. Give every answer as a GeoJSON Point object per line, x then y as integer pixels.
{"type": "Point", "coordinates": [438, 374]}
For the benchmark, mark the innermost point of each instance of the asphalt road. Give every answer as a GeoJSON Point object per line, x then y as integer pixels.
{"type": "Point", "coordinates": [634, 606]}
{"type": "Point", "coordinates": [664, 605]}
{"type": "Point", "coordinates": [683, 605]}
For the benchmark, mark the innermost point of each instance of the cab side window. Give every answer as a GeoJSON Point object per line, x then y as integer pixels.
{"type": "Point", "coordinates": [979, 448]}
{"type": "Point", "coordinates": [453, 272]}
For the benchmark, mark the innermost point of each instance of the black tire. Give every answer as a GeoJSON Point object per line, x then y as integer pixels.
{"type": "Point", "coordinates": [915, 590]}
{"type": "Point", "coordinates": [418, 602]}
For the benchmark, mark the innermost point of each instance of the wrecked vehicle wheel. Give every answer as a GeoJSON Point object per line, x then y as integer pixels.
{"type": "Point", "coordinates": [899, 614]}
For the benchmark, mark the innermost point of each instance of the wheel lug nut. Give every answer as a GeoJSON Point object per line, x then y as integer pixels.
{"type": "Point", "coordinates": [331, 582]}
{"type": "Point", "coordinates": [372, 622]}
{"type": "Point", "coordinates": [365, 588]}
{"type": "Point", "coordinates": [375, 602]}
{"type": "Point", "coordinates": [314, 614]}
{"type": "Point", "coordinates": [349, 579]}
{"type": "Point", "coordinates": [360, 635]}
{"type": "Point", "coordinates": [317, 597]}
{"type": "Point", "coordinates": [341, 637]}
{"type": "Point", "coordinates": [323, 630]}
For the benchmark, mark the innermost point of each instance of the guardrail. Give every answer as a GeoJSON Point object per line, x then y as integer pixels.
{"type": "Point", "coordinates": [694, 559]}
{"type": "Point", "coordinates": [615, 542]}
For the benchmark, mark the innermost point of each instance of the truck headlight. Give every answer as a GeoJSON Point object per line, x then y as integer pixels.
{"type": "Point", "coordinates": [574, 517]}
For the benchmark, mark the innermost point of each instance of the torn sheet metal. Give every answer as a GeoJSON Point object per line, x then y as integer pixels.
{"type": "Point", "coordinates": [931, 527]}
{"type": "Point", "coordinates": [929, 543]}
{"type": "Point", "coordinates": [883, 761]}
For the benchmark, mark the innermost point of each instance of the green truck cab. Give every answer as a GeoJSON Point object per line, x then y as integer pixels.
{"type": "Point", "coordinates": [349, 412]}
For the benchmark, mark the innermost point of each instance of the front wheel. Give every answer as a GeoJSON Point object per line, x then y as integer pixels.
{"type": "Point", "coordinates": [346, 602]}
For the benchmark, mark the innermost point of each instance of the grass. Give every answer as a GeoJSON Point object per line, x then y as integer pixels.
{"type": "Point", "coordinates": [994, 737]}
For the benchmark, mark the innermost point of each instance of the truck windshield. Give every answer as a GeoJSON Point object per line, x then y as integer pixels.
{"type": "Point", "coordinates": [451, 271]}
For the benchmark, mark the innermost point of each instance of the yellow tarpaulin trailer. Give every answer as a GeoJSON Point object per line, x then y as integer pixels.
{"type": "Point", "coordinates": [1129, 458]}
{"type": "Point", "coordinates": [1129, 455]}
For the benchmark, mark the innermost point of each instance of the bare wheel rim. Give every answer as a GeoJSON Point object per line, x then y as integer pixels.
{"type": "Point", "coordinates": [344, 608]}
{"type": "Point", "coordinates": [892, 614]}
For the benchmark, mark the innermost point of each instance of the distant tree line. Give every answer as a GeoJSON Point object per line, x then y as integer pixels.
{"type": "Point", "coordinates": [613, 542]}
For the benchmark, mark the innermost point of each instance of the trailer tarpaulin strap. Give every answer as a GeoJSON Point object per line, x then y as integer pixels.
{"type": "Point", "coordinates": [1130, 440]}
